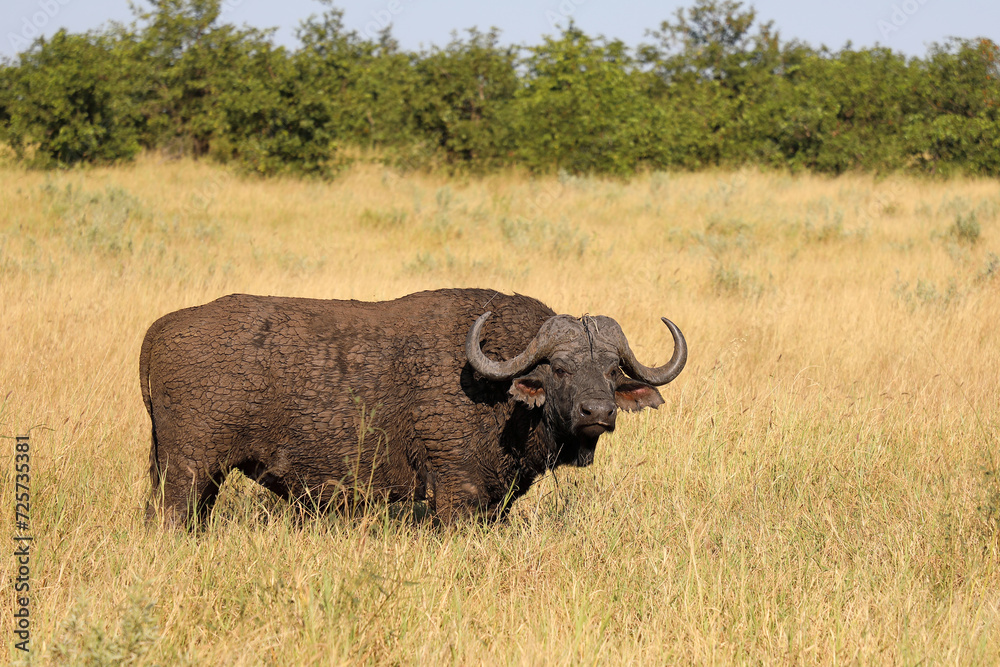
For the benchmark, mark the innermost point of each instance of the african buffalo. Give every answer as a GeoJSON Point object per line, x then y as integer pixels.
{"type": "Point", "coordinates": [459, 397]}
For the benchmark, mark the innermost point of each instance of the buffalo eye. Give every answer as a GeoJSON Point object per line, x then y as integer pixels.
{"type": "Point", "coordinates": [561, 373]}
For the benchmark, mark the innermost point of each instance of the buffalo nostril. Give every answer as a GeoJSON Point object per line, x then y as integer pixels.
{"type": "Point", "coordinates": [599, 410]}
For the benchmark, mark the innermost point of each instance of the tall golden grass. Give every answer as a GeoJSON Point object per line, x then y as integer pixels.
{"type": "Point", "coordinates": [820, 487]}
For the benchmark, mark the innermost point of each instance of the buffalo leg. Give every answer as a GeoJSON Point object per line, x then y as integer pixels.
{"type": "Point", "coordinates": [186, 496]}
{"type": "Point", "coordinates": [455, 497]}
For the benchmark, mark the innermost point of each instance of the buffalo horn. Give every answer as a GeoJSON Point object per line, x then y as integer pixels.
{"type": "Point", "coordinates": [499, 370]}
{"type": "Point", "coordinates": [661, 374]}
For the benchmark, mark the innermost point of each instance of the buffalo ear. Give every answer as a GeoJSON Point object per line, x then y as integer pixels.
{"type": "Point", "coordinates": [633, 396]}
{"type": "Point", "coordinates": [529, 389]}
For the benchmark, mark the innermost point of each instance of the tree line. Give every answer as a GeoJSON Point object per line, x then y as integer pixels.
{"type": "Point", "coordinates": [712, 87]}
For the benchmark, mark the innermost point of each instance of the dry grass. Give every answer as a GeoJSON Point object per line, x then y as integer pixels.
{"type": "Point", "coordinates": [819, 488]}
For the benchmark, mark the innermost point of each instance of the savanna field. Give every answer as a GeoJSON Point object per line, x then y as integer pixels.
{"type": "Point", "coordinates": [819, 488]}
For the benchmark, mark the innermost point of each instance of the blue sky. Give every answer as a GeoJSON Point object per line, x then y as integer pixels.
{"type": "Point", "coordinates": [903, 25]}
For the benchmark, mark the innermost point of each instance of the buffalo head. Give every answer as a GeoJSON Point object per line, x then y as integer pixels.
{"type": "Point", "coordinates": [580, 372]}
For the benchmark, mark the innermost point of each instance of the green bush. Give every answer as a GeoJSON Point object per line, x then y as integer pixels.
{"type": "Point", "coordinates": [715, 87]}
{"type": "Point", "coordinates": [72, 99]}
{"type": "Point", "coordinates": [581, 107]}
{"type": "Point", "coordinates": [464, 106]}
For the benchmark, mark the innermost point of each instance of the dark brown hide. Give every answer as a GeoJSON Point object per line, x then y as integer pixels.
{"type": "Point", "coordinates": [320, 400]}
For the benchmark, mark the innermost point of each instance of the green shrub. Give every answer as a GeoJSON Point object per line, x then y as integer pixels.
{"type": "Point", "coordinates": [966, 228]}
{"type": "Point", "coordinates": [74, 98]}
{"type": "Point", "coordinates": [716, 87]}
